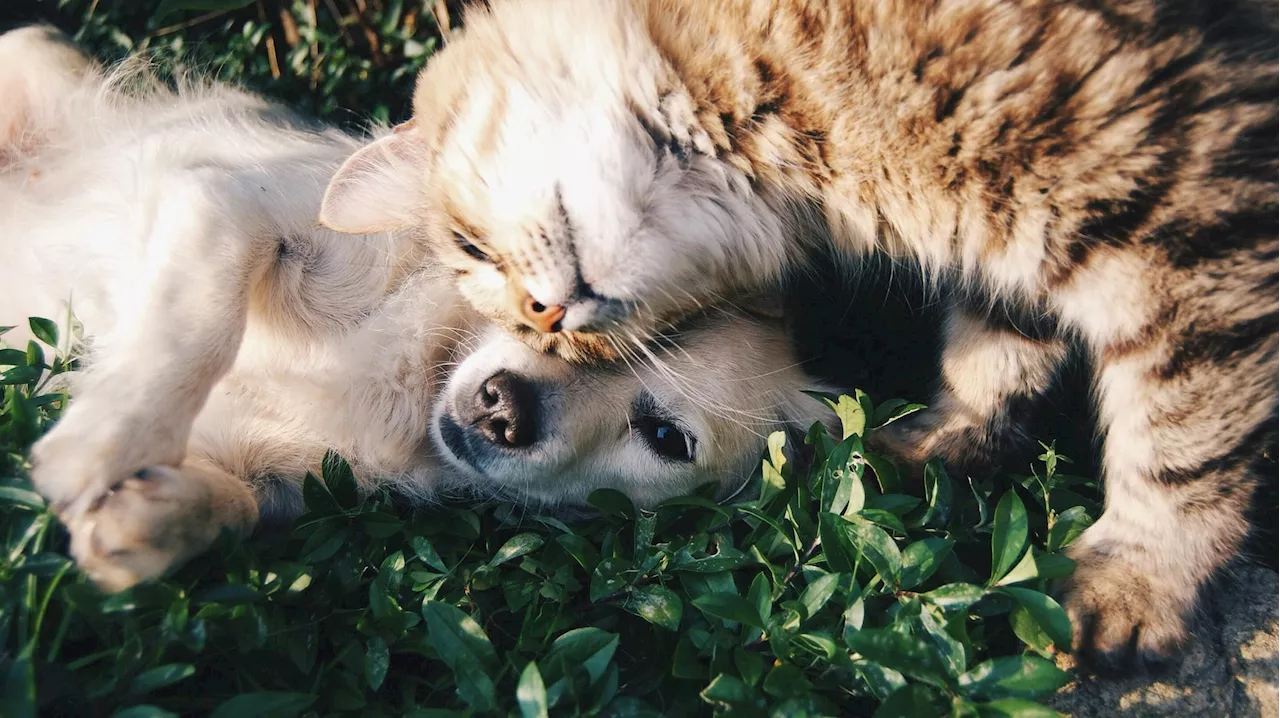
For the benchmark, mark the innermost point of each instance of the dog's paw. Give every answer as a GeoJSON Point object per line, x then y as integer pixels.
{"type": "Point", "coordinates": [84, 455]}
{"type": "Point", "coordinates": [1125, 618]}
{"type": "Point", "coordinates": [143, 526]}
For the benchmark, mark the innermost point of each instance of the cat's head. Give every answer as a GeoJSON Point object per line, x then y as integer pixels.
{"type": "Point", "coordinates": [562, 174]}
{"type": "Point", "coordinates": [533, 429]}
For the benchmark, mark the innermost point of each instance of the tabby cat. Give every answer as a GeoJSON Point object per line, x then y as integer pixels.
{"type": "Point", "coordinates": [1096, 172]}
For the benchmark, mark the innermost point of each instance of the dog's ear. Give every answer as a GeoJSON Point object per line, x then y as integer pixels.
{"type": "Point", "coordinates": [39, 68]}
{"type": "Point", "coordinates": [379, 188]}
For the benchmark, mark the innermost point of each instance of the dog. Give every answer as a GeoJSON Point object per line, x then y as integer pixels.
{"type": "Point", "coordinates": [230, 341]}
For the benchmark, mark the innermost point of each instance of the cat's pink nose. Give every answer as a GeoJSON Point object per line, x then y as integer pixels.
{"type": "Point", "coordinates": [547, 320]}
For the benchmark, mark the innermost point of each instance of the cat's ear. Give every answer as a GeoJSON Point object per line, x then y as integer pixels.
{"type": "Point", "coordinates": [379, 188]}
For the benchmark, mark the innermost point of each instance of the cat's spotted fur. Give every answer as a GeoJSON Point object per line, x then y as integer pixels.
{"type": "Point", "coordinates": [1098, 171]}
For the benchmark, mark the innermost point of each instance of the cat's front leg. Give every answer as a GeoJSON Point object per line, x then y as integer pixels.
{"type": "Point", "coordinates": [992, 373]}
{"type": "Point", "coordinates": [182, 313]}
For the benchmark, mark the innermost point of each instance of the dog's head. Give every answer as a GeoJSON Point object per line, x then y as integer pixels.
{"type": "Point", "coordinates": [533, 428]}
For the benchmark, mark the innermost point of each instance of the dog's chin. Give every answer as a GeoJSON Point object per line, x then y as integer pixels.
{"type": "Point", "coordinates": [451, 444]}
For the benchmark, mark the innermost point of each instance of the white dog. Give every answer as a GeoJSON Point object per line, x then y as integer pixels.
{"type": "Point", "coordinates": [231, 341]}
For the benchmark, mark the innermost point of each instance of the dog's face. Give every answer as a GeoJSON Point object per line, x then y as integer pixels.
{"type": "Point", "coordinates": [533, 428]}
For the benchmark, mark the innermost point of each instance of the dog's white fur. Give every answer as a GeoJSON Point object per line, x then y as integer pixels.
{"type": "Point", "coordinates": [231, 340]}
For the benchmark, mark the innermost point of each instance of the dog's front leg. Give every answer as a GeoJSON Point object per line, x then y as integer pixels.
{"type": "Point", "coordinates": [182, 316]}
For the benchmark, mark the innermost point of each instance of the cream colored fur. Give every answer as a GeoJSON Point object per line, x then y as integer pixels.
{"type": "Point", "coordinates": [230, 341]}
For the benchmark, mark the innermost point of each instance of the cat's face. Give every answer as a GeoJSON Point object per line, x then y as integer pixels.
{"type": "Point", "coordinates": [571, 216]}
{"type": "Point", "coordinates": [535, 429]}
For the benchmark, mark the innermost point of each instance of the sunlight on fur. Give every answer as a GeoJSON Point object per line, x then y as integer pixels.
{"type": "Point", "coordinates": [230, 341]}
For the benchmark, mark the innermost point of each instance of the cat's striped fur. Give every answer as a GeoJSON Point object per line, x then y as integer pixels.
{"type": "Point", "coordinates": [1093, 171]}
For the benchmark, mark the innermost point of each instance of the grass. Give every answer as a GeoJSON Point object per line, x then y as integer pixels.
{"type": "Point", "coordinates": [831, 592]}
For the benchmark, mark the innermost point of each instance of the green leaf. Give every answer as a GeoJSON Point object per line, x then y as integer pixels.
{"type": "Point", "coordinates": [955, 596]}
{"type": "Point", "coordinates": [1048, 615]}
{"type": "Point", "coordinates": [264, 704]}
{"type": "Point", "coordinates": [726, 560]}
{"type": "Point", "coordinates": [886, 473]}
{"type": "Point", "coordinates": [1042, 566]}
{"type": "Point", "coordinates": [377, 659]}
{"type": "Point", "coordinates": [453, 632]}
{"type": "Point", "coordinates": [1025, 676]}
{"type": "Point", "coordinates": [892, 410]}
{"type": "Point", "coordinates": [45, 330]}
{"type": "Point", "coordinates": [517, 546]}
{"type": "Point", "coordinates": [921, 559]}
{"type": "Point", "coordinates": [786, 680]}
{"type": "Point", "coordinates": [531, 693]}
{"type": "Point", "coordinates": [913, 701]}
{"type": "Point", "coordinates": [144, 711]}
{"type": "Point", "coordinates": [462, 644]}
{"type": "Point", "coordinates": [657, 605]}
{"type": "Point", "coordinates": [159, 677]}
{"type": "Point", "coordinates": [317, 497]}
{"type": "Point", "coordinates": [771, 478]}
{"type": "Point", "coordinates": [853, 418]}
{"type": "Point", "coordinates": [730, 607]}
{"type": "Point", "coordinates": [818, 592]}
{"type": "Point", "coordinates": [906, 654]}
{"type": "Point", "coordinates": [339, 479]}
{"type": "Point", "coordinates": [1026, 628]}
{"type": "Point", "coordinates": [728, 690]}
{"type": "Point", "coordinates": [612, 502]}
{"type": "Point", "coordinates": [21, 497]}
{"type": "Point", "coordinates": [750, 665]}
{"type": "Point", "coordinates": [426, 552]}
{"type": "Point", "coordinates": [1008, 535]}
{"type": "Point", "coordinates": [939, 496]}
{"type": "Point", "coordinates": [1067, 526]}
{"type": "Point", "coordinates": [19, 696]}
{"type": "Point", "coordinates": [876, 546]}
{"type": "Point", "coordinates": [12, 357]}
{"type": "Point", "coordinates": [586, 649]}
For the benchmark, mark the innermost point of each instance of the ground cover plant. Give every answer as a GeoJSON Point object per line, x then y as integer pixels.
{"type": "Point", "coordinates": [834, 590]}
{"type": "Point", "coordinates": [831, 592]}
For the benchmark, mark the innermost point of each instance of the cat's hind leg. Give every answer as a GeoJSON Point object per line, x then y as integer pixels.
{"type": "Point", "coordinates": [996, 362]}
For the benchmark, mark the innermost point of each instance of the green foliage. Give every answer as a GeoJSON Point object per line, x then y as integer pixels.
{"type": "Point", "coordinates": [826, 595]}
{"type": "Point", "coordinates": [341, 60]}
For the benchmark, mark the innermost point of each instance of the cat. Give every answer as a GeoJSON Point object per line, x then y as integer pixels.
{"type": "Point", "coordinates": [230, 342]}
{"type": "Point", "coordinates": [1096, 173]}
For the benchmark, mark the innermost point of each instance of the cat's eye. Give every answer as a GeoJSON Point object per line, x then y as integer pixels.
{"type": "Point", "coordinates": [466, 245]}
{"type": "Point", "coordinates": [665, 438]}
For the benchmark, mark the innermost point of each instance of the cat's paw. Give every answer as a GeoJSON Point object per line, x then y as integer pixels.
{"type": "Point", "coordinates": [1125, 617]}
{"type": "Point", "coordinates": [910, 442]}
{"type": "Point", "coordinates": [143, 526]}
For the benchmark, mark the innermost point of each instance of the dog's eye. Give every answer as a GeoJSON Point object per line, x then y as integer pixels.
{"type": "Point", "coordinates": [470, 248]}
{"type": "Point", "coordinates": [666, 439]}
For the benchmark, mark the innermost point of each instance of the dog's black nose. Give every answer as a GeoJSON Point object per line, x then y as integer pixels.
{"type": "Point", "coordinates": [504, 411]}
